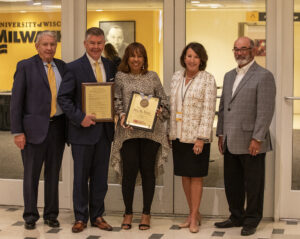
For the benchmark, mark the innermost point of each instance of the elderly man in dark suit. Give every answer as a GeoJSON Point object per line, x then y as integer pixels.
{"type": "Point", "coordinates": [38, 124]}
{"type": "Point", "coordinates": [91, 141]}
{"type": "Point", "coordinates": [245, 114]}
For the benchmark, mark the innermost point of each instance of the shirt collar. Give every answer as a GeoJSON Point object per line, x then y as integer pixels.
{"type": "Point", "coordinates": [92, 61]}
{"type": "Point", "coordinates": [244, 69]}
{"type": "Point", "coordinates": [52, 63]}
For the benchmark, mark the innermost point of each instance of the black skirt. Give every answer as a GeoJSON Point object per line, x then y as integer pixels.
{"type": "Point", "coordinates": [188, 164]}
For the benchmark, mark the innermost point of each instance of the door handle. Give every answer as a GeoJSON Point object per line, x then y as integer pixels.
{"type": "Point", "coordinates": [292, 98]}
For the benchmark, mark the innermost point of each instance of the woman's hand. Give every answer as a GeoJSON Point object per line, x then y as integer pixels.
{"type": "Point", "coordinates": [159, 110]}
{"type": "Point", "coordinates": [198, 146]}
{"type": "Point", "coordinates": [122, 123]}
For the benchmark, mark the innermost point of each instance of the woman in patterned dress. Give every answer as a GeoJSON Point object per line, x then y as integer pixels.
{"type": "Point", "coordinates": [135, 150]}
{"type": "Point", "coordinates": [193, 102]}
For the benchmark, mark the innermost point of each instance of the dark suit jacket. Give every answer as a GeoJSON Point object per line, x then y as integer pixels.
{"type": "Point", "coordinates": [70, 101]}
{"type": "Point", "coordinates": [31, 99]}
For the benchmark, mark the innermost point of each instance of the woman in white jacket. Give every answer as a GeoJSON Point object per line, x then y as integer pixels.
{"type": "Point", "coordinates": [193, 102]}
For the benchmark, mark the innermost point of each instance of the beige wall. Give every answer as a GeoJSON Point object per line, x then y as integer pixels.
{"type": "Point", "coordinates": [216, 30]}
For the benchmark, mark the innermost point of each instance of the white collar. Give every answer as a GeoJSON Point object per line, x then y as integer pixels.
{"type": "Point", "coordinates": [244, 69]}
{"type": "Point", "coordinates": [92, 61]}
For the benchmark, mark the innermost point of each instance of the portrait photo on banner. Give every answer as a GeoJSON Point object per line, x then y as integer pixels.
{"type": "Point", "coordinates": [119, 33]}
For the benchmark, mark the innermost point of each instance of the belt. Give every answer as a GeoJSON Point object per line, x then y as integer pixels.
{"type": "Point", "coordinates": [56, 117]}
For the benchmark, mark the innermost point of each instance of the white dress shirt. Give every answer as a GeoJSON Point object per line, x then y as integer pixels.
{"type": "Point", "coordinates": [241, 72]}
{"type": "Point", "coordinates": [179, 101]}
{"type": "Point", "coordinates": [92, 61]}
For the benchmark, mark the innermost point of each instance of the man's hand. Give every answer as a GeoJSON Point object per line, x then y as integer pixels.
{"type": "Point", "coordinates": [88, 121]}
{"type": "Point", "coordinates": [20, 141]}
{"type": "Point", "coordinates": [220, 144]}
{"type": "Point", "coordinates": [254, 147]}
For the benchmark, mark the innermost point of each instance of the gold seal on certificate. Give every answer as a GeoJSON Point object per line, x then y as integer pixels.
{"type": "Point", "coordinates": [142, 111]}
{"type": "Point", "coordinates": [97, 100]}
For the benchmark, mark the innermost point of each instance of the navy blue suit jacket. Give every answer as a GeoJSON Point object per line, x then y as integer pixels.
{"type": "Point", "coordinates": [70, 101]}
{"type": "Point", "coordinates": [30, 104]}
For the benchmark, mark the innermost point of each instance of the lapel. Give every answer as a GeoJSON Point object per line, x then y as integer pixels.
{"type": "Point", "coordinates": [178, 83]}
{"type": "Point", "coordinates": [245, 79]}
{"type": "Point", "coordinates": [59, 67]}
{"type": "Point", "coordinates": [90, 77]}
{"type": "Point", "coordinates": [41, 69]}
{"type": "Point", "coordinates": [106, 68]}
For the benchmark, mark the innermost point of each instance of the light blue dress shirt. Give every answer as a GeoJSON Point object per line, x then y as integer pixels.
{"type": "Point", "coordinates": [58, 81]}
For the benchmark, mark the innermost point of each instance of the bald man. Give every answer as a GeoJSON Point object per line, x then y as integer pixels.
{"type": "Point", "coordinates": [245, 114]}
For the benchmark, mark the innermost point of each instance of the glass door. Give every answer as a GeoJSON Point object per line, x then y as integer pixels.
{"type": "Point", "coordinates": [216, 25]}
{"type": "Point", "coordinates": [19, 24]}
{"type": "Point", "coordinates": [125, 22]}
{"type": "Point", "coordinates": [288, 153]}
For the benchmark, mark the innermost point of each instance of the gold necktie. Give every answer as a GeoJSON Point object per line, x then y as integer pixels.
{"type": "Point", "coordinates": [98, 72]}
{"type": "Point", "coordinates": [52, 84]}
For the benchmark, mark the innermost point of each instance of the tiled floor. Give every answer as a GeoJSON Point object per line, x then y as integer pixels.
{"type": "Point", "coordinates": [12, 227]}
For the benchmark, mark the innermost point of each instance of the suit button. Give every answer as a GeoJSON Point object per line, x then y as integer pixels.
{"type": "Point", "coordinates": [228, 109]}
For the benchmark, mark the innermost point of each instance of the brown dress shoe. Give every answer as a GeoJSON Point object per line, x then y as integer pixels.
{"type": "Point", "coordinates": [102, 224]}
{"type": "Point", "coordinates": [78, 226]}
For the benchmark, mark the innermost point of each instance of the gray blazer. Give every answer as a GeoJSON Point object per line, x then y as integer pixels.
{"type": "Point", "coordinates": [248, 113]}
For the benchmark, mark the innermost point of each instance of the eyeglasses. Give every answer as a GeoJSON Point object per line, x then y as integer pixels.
{"type": "Point", "coordinates": [242, 50]}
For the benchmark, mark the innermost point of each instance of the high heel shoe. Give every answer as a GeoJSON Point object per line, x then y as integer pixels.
{"type": "Point", "coordinates": [145, 226]}
{"type": "Point", "coordinates": [199, 218]}
{"type": "Point", "coordinates": [194, 228]}
{"type": "Point", "coordinates": [126, 226]}
{"type": "Point", "coordinates": [187, 223]}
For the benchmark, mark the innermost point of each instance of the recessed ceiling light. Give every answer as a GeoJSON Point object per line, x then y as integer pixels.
{"type": "Point", "coordinates": [22, 11]}
{"type": "Point", "coordinates": [15, 0]}
{"type": "Point", "coordinates": [211, 5]}
{"type": "Point", "coordinates": [52, 6]}
{"type": "Point", "coordinates": [37, 3]}
{"type": "Point", "coordinates": [194, 2]}
{"type": "Point", "coordinates": [99, 10]}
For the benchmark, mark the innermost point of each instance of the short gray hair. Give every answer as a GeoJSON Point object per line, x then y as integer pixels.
{"type": "Point", "coordinates": [46, 33]}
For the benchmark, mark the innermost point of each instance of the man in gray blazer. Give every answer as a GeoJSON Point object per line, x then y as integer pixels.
{"type": "Point", "coordinates": [245, 114]}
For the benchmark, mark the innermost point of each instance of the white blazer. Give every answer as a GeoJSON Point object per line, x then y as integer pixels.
{"type": "Point", "coordinates": [198, 109]}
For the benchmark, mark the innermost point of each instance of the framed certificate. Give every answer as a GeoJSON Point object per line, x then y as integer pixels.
{"type": "Point", "coordinates": [142, 111]}
{"type": "Point", "coordinates": [97, 99]}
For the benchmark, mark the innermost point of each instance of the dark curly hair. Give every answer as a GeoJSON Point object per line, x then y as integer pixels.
{"type": "Point", "coordinates": [129, 51]}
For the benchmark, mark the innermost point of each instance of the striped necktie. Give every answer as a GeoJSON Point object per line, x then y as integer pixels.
{"type": "Point", "coordinates": [98, 72]}
{"type": "Point", "coordinates": [52, 84]}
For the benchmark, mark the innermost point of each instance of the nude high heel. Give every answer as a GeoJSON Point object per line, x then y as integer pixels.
{"type": "Point", "coordinates": [199, 218]}
{"type": "Point", "coordinates": [186, 224]}
{"type": "Point", "coordinates": [194, 229]}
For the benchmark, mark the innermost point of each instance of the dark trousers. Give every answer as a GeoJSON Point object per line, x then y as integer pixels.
{"type": "Point", "coordinates": [244, 177]}
{"type": "Point", "coordinates": [138, 154]}
{"type": "Point", "coordinates": [90, 179]}
{"type": "Point", "coordinates": [33, 156]}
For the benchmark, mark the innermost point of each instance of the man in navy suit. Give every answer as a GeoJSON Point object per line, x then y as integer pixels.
{"type": "Point", "coordinates": [38, 124]}
{"type": "Point", "coordinates": [90, 141]}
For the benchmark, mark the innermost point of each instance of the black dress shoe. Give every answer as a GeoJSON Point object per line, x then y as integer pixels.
{"type": "Point", "coordinates": [247, 231]}
{"type": "Point", "coordinates": [29, 225]}
{"type": "Point", "coordinates": [52, 222]}
{"type": "Point", "coordinates": [227, 224]}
